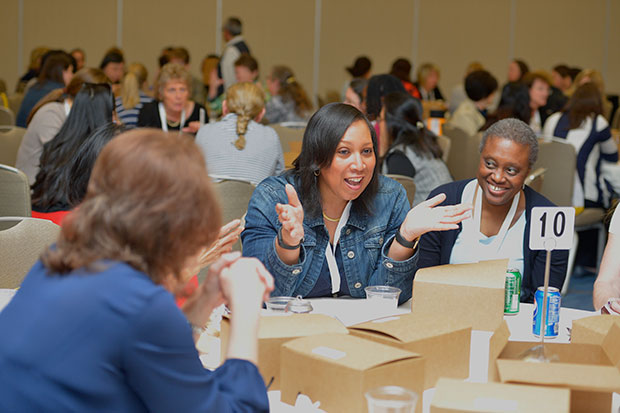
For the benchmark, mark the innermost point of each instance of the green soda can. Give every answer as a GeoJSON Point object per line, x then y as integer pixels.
{"type": "Point", "coordinates": [512, 292]}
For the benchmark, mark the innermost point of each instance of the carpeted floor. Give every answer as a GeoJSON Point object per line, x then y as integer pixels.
{"type": "Point", "coordinates": [579, 293]}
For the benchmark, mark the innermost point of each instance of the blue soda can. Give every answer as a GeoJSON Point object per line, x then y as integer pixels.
{"type": "Point", "coordinates": [553, 312]}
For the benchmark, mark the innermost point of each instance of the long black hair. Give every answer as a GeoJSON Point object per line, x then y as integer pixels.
{"type": "Point", "coordinates": [93, 107]}
{"type": "Point", "coordinates": [379, 86]}
{"type": "Point", "coordinates": [405, 127]}
{"type": "Point", "coordinates": [323, 133]}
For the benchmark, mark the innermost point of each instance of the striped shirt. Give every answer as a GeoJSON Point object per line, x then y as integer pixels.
{"type": "Point", "coordinates": [129, 117]}
{"type": "Point", "coordinates": [261, 158]}
{"type": "Point", "coordinates": [593, 143]}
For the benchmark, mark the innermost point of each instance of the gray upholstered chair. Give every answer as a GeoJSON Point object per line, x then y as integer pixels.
{"type": "Point", "coordinates": [10, 139]}
{"type": "Point", "coordinates": [407, 182]}
{"type": "Point", "coordinates": [14, 192]}
{"type": "Point", "coordinates": [21, 246]}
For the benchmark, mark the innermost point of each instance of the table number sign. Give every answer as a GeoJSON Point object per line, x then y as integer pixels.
{"type": "Point", "coordinates": [552, 228]}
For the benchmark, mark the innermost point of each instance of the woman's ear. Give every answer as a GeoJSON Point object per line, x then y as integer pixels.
{"type": "Point", "coordinates": [259, 117]}
{"type": "Point", "coordinates": [224, 108]}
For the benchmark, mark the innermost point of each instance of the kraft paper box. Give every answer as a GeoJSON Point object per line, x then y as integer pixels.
{"type": "Point", "coordinates": [590, 371]}
{"type": "Point", "coordinates": [471, 293]}
{"type": "Point", "coordinates": [592, 330]}
{"type": "Point", "coordinates": [337, 370]}
{"type": "Point", "coordinates": [442, 341]}
{"type": "Point", "coordinates": [457, 396]}
{"type": "Point", "coordinates": [275, 330]}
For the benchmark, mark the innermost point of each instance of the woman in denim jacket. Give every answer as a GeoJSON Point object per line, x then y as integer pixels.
{"type": "Point", "coordinates": [349, 227]}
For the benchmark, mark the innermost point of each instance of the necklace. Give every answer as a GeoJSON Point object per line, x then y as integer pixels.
{"type": "Point", "coordinates": [173, 124]}
{"type": "Point", "coordinates": [331, 219]}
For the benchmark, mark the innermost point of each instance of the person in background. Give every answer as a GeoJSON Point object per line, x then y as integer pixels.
{"type": "Point", "coordinates": [180, 56]}
{"type": "Point", "coordinates": [514, 103]}
{"type": "Point", "coordinates": [47, 117]}
{"type": "Point", "coordinates": [113, 65]}
{"type": "Point", "coordinates": [594, 76]}
{"type": "Point", "coordinates": [561, 78]}
{"type": "Point", "coordinates": [501, 219]}
{"type": "Point", "coordinates": [208, 65]}
{"type": "Point", "coordinates": [539, 86]}
{"type": "Point", "coordinates": [56, 73]}
{"type": "Point", "coordinates": [458, 95]}
{"type": "Point", "coordinates": [80, 58]}
{"type": "Point", "coordinates": [36, 56]}
{"type": "Point", "coordinates": [471, 114]}
{"type": "Point", "coordinates": [354, 95]}
{"type": "Point", "coordinates": [361, 68]}
{"type": "Point", "coordinates": [401, 68]}
{"type": "Point", "coordinates": [174, 110]}
{"type": "Point", "coordinates": [289, 101]}
{"type": "Point", "coordinates": [428, 82]}
{"type": "Point", "coordinates": [583, 125]}
{"type": "Point", "coordinates": [334, 225]}
{"type": "Point", "coordinates": [412, 150]}
{"type": "Point", "coordinates": [235, 46]}
{"type": "Point", "coordinates": [99, 304]}
{"type": "Point", "coordinates": [132, 95]}
{"type": "Point", "coordinates": [517, 69]}
{"type": "Point", "coordinates": [238, 146]}
{"type": "Point", "coordinates": [607, 284]}
{"type": "Point", "coordinates": [93, 107]}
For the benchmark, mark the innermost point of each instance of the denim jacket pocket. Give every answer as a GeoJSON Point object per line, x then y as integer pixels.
{"type": "Point", "coordinates": [372, 246]}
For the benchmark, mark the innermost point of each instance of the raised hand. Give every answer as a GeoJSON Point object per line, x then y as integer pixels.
{"type": "Point", "coordinates": [427, 216]}
{"type": "Point", "coordinates": [229, 234]}
{"type": "Point", "coordinates": [246, 283]}
{"type": "Point", "coordinates": [291, 216]}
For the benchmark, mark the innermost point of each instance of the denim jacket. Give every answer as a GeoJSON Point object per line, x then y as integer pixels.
{"type": "Point", "coordinates": [364, 241]}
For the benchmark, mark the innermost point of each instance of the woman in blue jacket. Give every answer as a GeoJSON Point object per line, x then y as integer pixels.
{"type": "Point", "coordinates": [333, 226]}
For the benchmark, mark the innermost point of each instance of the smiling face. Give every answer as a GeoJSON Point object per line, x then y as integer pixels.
{"type": "Point", "coordinates": [175, 95]}
{"type": "Point", "coordinates": [351, 168]}
{"type": "Point", "coordinates": [503, 167]}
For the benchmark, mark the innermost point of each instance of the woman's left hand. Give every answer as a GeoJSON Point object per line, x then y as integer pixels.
{"type": "Point", "coordinates": [192, 127]}
{"type": "Point", "coordinates": [229, 234]}
{"type": "Point", "coordinates": [427, 217]}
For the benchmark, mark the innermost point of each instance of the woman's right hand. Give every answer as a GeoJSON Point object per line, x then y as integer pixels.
{"type": "Point", "coordinates": [245, 284]}
{"type": "Point", "coordinates": [291, 216]}
{"type": "Point", "coordinates": [427, 216]}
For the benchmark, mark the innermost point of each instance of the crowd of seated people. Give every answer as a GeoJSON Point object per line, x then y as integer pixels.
{"type": "Point", "coordinates": [126, 168]}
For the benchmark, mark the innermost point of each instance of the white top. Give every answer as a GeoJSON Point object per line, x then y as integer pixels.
{"type": "Point", "coordinates": [614, 226]}
{"type": "Point", "coordinates": [472, 246]}
{"type": "Point", "coordinates": [261, 158]}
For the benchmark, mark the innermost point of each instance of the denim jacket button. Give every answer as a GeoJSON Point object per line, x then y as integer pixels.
{"type": "Point", "coordinates": [389, 265]}
{"type": "Point", "coordinates": [351, 254]}
{"type": "Point", "coordinates": [358, 285]}
{"type": "Point", "coordinates": [348, 231]}
{"type": "Point", "coordinates": [296, 271]}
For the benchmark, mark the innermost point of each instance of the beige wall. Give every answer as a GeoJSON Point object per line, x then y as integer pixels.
{"type": "Point", "coordinates": [450, 33]}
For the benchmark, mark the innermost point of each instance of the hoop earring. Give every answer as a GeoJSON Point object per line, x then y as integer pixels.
{"type": "Point", "coordinates": [317, 172]}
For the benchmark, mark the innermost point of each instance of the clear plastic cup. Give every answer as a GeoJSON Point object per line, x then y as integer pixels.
{"type": "Point", "coordinates": [391, 399]}
{"type": "Point", "coordinates": [382, 298]}
{"type": "Point", "coordinates": [278, 304]}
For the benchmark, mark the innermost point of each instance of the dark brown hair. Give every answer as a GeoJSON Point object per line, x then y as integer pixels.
{"type": "Point", "coordinates": [149, 204]}
{"type": "Point", "coordinates": [291, 90]}
{"type": "Point", "coordinates": [585, 102]}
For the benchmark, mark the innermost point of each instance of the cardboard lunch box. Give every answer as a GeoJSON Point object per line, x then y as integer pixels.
{"type": "Point", "coordinates": [593, 330]}
{"type": "Point", "coordinates": [275, 330]}
{"type": "Point", "coordinates": [471, 293]}
{"type": "Point", "coordinates": [457, 396]}
{"type": "Point", "coordinates": [337, 370]}
{"type": "Point", "coordinates": [590, 371]}
{"type": "Point", "coordinates": [443, 341]}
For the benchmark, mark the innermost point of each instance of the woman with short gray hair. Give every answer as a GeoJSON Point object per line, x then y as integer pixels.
{"type": "Point", "coordinates": [501, 216]}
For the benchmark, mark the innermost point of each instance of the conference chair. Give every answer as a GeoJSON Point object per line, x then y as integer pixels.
{"type": "Point", "coordinates": [7, 118]}
{"type": "Point", "coordinates": [560, 161]}
{"type": "Point", "coordinates": [15, 101]}
{"type": "Point", "coordinates": [289, 132]}
{"type": "Point", "coordinates": [535, 179]}
{"type": "Point", "coordinates": [21, 245]}
{"type": "Point", "coordinates": [464, 154]}
{"type": "Point", "coordinates": [234, 197]}
{"type": "Point", "coordinates": [14, 192]}
{"type": "Point", "coordinates": [407, 182]}
{"type": "Point", "coordinates": [10, 139]}
{"type": "Point", "coordinates": [444, 143]}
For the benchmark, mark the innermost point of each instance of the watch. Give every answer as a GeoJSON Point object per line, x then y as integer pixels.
{"type": "Point", "coordinates": [407, 244]}
{"type": "Point", "coordinates": [284, 245]}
